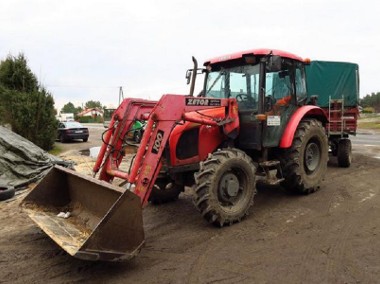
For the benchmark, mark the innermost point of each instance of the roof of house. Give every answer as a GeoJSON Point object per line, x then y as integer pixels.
{"type": "Point", "coordinates": [88, 110]}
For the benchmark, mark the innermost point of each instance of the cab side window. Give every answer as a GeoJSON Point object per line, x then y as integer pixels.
{"type": "Point", "coordinates": [300, 85]}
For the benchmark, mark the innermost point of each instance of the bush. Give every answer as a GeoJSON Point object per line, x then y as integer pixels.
{"type": "Point", "coordinates": [90, 119]}
{"type": "Point", "coordinates": [368, 110]}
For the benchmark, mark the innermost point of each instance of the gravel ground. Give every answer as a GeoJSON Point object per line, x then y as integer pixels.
{"type": "Point", "coordinates": [331, 236]}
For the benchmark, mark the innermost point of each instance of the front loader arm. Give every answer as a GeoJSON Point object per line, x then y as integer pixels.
{"type": "Point", "coordinates": [164, 116]}
{"type": "Point", "coordinates": [111, 151]}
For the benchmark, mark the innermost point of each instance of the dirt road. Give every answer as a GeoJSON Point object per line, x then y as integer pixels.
{"type": "Point", "coordinates": [331, 236]}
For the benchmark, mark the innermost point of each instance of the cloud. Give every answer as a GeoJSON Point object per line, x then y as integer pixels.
{"type": "Point", "coordinates": [84, 50]}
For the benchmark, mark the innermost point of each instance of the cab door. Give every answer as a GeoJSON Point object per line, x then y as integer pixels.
{"type": "Point", "coordinates": [244, 87]}
{"type": "Point", "coordinates": [285, 90]}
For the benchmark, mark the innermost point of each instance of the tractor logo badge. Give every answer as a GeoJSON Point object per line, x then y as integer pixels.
{"type": "Point", "coordinates": [157, 142]}
{"type": "Point", "coordinates": [202, 102]}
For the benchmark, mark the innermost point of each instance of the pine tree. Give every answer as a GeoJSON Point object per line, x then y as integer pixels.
{"type": "Point", "coordinates": [26, 106]}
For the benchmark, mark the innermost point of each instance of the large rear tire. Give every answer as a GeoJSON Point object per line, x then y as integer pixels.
{"type": "Point", "coordinates": [225, 187]}
{"type": "Point", "coordinates": [304, 164]}
{"type": "Point", "coordinates": [344, 153]}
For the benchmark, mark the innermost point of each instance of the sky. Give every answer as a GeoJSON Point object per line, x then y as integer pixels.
{"type": "Point", "coordinates": [83, 50]}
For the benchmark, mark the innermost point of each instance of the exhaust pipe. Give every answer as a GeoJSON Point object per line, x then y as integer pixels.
{"type": "Point", "coordinates": [193, 77]}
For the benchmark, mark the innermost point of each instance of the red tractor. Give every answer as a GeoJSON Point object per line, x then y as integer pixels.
{"type": "Point", "coordinates": [252, 121]}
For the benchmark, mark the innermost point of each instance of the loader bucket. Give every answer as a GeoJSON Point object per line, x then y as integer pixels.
{"type": "Point", "coordinates": [105, 221]}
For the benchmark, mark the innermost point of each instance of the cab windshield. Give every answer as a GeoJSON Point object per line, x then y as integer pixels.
{"type": "Point", "coordinates": [232, 82]}
{"type": "Point", "coordinates": [242, 83]}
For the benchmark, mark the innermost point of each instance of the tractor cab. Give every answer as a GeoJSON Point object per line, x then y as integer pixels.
{"type": "Point", "coordinates": [268, 86]}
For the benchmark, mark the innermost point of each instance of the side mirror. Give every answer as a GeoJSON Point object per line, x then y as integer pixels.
{"type": "Point", "coordinates": [274, 63]}
{"type": "Point", "coordinates": [188, 76]}
{"type": "Point", "coordinates": [313, 100]}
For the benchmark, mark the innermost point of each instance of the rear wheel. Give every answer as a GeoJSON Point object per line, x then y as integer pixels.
{"type": "Point", "coordinates": [305, 162]}
{"type": "Point", "coordinates": [344, 153]}
{"type": "Point", "coordinates": [62, 138]}
{"type": "Point", "coordinates": [225, 187]}
{"type": "Point", "coordinates": [165, 191]}
{"type": "Point", "coordinates": [334, 147]}
{"type": "Point", "coordinates": [85, 139]}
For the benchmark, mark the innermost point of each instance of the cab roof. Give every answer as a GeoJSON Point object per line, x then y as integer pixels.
{"type": "Point", "coordinates": [261, 51]}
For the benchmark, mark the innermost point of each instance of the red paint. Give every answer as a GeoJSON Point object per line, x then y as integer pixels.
{"type": "Point", "coordinates": [164, 118]}
{"type": "Point", "coordinates": [304, 111]}
{"type": "Point", "coordinates": [350, 118]}
{"type": "Point", "coordinates": [108, 160]}
{"type": "Point", "coordinates": [262, 51]}
{"type": "Point", "coordinates": [210, 136]}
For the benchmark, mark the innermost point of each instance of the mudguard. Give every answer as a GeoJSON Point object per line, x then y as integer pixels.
{"type": "Point", "coordinates": [299, 114]}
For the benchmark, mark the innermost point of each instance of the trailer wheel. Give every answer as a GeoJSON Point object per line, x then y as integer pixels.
{"type": "Point", "coordinates": [6, 192]}
{"type": "Point", "coordinates": [344, 153]}
{"type": "Point", "coordinates": [305, 163]}
{"type": "Point", "coordinates": [165, 191]}
{"type": "Point", "coordinates": [225, 187]}
{"type": "Point", "coordinates": [334, 147]}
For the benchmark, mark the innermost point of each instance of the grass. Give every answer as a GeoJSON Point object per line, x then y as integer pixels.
{"type": "Point", "coordinates": [56, 150]}
{"type": "Point", "coordinates": [369, 125]}
{"type": "Point", "coordinates": [369, 122]}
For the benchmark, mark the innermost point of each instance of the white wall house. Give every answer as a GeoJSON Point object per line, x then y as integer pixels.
{"type": "Point", "coordinates": [93, 112]}
{"type": "Point", "coordinates": [65, 117]}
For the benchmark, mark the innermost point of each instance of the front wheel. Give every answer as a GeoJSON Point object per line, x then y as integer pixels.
{"type": "Point", "coordinates": [304, 164]}
{"type": "Point", "coordinates": [165, 191]}
{"type": "Point", "coordinates": [225, 186]}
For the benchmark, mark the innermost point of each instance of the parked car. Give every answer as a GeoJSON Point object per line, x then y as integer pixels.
{"type": "Point", "coordinates": [69, 130]}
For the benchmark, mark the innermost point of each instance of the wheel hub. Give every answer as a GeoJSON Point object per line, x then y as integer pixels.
{"type": "Point", "coordinates": [312, 156]}
{"type": "Point", "coordinates": [229, 185]}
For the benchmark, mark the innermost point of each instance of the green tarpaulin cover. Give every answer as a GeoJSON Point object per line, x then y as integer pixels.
{"type": "Point", "coordinates": [333, 79]}
{"type": "Point", "coordinates": [21, 161]}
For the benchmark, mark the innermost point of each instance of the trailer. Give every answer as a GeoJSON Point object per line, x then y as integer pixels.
{"type": "Point", "coordinates": [334, 87]}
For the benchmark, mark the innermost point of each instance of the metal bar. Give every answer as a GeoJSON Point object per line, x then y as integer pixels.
{"type": "Point", "coordinates": [204, 121]}
{"type": "Point", "coordinates": [103, 148]}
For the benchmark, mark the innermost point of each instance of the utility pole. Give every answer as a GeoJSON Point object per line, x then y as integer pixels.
{"type": "Point", "coordinates": [121, 94]}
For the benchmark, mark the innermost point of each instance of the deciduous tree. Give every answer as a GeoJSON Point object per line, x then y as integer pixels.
{"type": "Point", "coordinates": [93, 104]}
{"type": "Point", "coordinates": [372, 100]}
